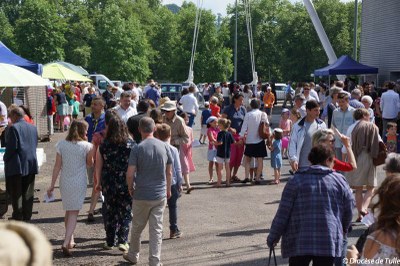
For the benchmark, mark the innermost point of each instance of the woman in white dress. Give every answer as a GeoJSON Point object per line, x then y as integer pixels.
{"type": "Point", "coordinates": [74, 154]}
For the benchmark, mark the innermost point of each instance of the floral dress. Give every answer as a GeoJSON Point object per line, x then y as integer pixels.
{"type": "Point", "coordinates": [118, 202]}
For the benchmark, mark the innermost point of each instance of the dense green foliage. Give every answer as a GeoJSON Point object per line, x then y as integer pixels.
{"type": "Point", "coordinates": [141, 39]}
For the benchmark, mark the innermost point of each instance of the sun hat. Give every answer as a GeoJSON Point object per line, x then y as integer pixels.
{"type": "Point", "coordinates": [211, 119]}
{"type": "Point", "coordinates": [285, 110]}
{"type": "Point", "coordinates": [164, 100]}
{"type": "Point", "coordinates": [169, 106]}
{"type": "Point", "coordinates": [279, 130]}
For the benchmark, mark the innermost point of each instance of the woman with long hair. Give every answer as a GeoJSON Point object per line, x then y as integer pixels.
{"type": "Point", "coordinates": [74, 154]}
{"type": "Point", "coordinates": [111, 165]}
{"type": "Point", "coordinates": [383, 244]}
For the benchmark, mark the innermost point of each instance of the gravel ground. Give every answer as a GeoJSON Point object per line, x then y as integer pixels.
{"type": "Point", "coordinates": [226, 226]}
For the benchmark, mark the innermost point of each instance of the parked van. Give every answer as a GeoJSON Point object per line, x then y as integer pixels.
{"type": "Point", "coordinates": [101, 81]}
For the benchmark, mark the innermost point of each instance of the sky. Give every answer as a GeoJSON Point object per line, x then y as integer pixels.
{"type": "Point", "coordinates": [217, 6]}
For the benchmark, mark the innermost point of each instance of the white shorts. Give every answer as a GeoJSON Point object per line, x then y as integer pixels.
{"type": "Point", "coordinates": [222, 160]}
{"type": "Point", "coordinates": [212, 155]}
{"type": "Point", "coordinates": [204, 130]}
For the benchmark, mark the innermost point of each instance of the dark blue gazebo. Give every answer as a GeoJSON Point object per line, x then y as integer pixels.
{"type": "Point", "coordinates": [8, 57]}
{"type": "Point", "coordinates": [345, 65]}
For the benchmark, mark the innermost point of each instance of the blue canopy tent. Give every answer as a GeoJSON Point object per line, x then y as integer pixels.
{"type": "Point", "coordinates": [345, 65]}
{"type": "Point", "coordinates": [8, 57]}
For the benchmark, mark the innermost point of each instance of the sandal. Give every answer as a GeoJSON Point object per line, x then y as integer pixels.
{"type": "Point", "coordinates": [210, 182]}
{"type": "Point", "coordinates": [274, 182]}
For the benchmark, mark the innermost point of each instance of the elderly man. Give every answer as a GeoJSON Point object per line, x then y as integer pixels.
{"type": "Point", "coordinates": [178, 133]}
{"type": "Point", "coordinates": [149, 183]}
{"type": "Point", "coordinates": [125, 109]}
{"type": "Point", "coordinates": [20, 164]}
{"type": "Point", "coordinates": [190, 105]}
{"type": "Point", "coordinates": [299, 104]}
{"type": "Point", "coordinates": [302, 132]}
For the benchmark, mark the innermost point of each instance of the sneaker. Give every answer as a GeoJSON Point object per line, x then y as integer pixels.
{"type": "Point", "coordinates": [175, 234]}
{"type": "Point", "coordinates": [107, 247]}
{"type": "Point", "coordinates": [123, 247]}
{"type": "Point", "coordinates": [129, 259]}
{"type": "Point", "coordinates": [90, 217]}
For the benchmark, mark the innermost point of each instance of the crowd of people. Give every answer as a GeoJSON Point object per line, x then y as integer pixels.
{"type": "Point", "coordinates": [135, 149]}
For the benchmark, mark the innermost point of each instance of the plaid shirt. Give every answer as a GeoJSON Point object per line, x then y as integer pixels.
{"type": "Point", "coordinates": [314, 213]}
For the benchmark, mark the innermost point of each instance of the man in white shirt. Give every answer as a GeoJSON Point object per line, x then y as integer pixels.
{"type": "Point", "coordinates": [255, 146]}
{"type": "Point", "coordinates": [190, 105]}
{"type": "Point", "coordinates": [390, 104]}
{"type": "Point", "coordinates": [124, 109]}
{"type": "Point", "coordinates": [307, 93]}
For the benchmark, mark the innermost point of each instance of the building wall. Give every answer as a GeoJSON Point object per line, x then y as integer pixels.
{"type": "Point", "coordinates": [380, 38]}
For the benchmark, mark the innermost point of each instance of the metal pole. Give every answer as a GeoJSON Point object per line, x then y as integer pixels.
{"type": "Point", "coordinates": [355, 29]}
{"type": "Point", "coordinates": [236, 36]}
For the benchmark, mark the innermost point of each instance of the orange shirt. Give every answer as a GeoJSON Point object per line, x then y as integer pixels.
{"type": "Point", "coordinates": [268, 100]}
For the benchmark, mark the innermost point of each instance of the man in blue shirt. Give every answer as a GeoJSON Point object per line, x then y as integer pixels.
{"type": "Point", "coordinates": [289, 93]}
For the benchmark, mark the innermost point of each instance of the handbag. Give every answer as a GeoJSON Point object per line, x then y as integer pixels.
{"type": "Point", "coordinates": [272, 251]}
{"type": "Point", "coordinates": [382, 154]}
{"type": "Point", "coordinates": [263, 129]}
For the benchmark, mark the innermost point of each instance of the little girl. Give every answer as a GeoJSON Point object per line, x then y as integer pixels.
{"type": "Point", "coordinates": [276, 155]}
{"type": "Point", "coordinates": [186, 155]}
{"type": "Point", "coordinates": [224, 141]}
{"type": "Point", "coordinates": [286, 125]}
{"type": "Point", "coordinates": [212, 133]}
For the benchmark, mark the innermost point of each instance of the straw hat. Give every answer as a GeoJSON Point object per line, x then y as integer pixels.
{"type": "Point", "coordinates": [169, 106]}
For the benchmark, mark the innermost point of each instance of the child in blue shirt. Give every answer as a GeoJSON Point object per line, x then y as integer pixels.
{"type": "Point", "coordinates": [204, 116]}
{"type": "Point", "coordinates": [276, 155]}
{"type": "Point", "coordinates": [224, 141]}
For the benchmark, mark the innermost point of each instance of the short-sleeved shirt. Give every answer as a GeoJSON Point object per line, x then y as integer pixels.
{"type": "Point", "coordinates": [215, 110]}
{"type": "Point", "coordinates": [61, 99]}
{"type": "Point", "coordinates": [224, 150]}
{"type": "Point", "coordinates": [88, 99]}
{"type": "Point", "coordinates": [205, 115]}
{"type": "Point", "coordinates": [151, 158]}
{"type": "Point", "coordinates": [236, 116]}
{"type": "Point", "coordinates": [95, 125]}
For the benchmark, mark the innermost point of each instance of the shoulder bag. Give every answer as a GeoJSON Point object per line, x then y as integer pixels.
{"type": "Point", "coordinates": [382, 154]}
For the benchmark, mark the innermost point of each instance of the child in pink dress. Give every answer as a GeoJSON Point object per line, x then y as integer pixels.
{"type": "Point", "coordinates": [186, 155]}
{"type": "Point", "coordinates": [286, 125]}
{"type": "Point", "coordinates": [212, 133]}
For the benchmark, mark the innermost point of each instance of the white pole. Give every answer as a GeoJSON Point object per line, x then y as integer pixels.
{"type": "Point", "coordinates": [320, 31]}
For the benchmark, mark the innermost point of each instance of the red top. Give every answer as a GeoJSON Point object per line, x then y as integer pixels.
{"type": "Point", "coordinates": [215, 109]}
{"type": "Point", "coordinates": [341, 166]}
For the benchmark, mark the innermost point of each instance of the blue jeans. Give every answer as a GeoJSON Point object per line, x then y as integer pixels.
{"type": "Point", "coordinates": [173, 213]}
{"type": "Point", "coordinates": [191, 119]}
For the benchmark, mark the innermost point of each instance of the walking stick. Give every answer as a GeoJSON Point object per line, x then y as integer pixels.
{"type": "Point", "coordinates": [272, 251]}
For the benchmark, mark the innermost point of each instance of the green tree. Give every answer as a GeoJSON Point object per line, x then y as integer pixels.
{"type": "Point", "coordinates": [163, 43]}
{"type": "Point", "coordinates": [39, 32]}
{"type": "Point", "coordinates": [121, 47]}
{"type": "Point", "coordinates": [6, 33]}
{"type": "Point", "coordinates": [80, 33]}
{"type": "Point", "coordinates": [212, 59]}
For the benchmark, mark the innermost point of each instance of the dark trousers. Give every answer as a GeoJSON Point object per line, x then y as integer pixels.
{"type": "Point", "coordinates": [316, 261]}
{"type": "Point", "coordinates": [21, 191]}
{"type": "Point", "coordinates": [173, 213]}
{"type": "Point", "coordinates": [191, 119]}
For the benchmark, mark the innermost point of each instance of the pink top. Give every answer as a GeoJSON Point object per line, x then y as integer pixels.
{"type": "Point", "coordinates": [186, 153]}
{"type": "Point", "coordinates": [286, 126]}
{"type": "Point", "coordinates": [214, 132]}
